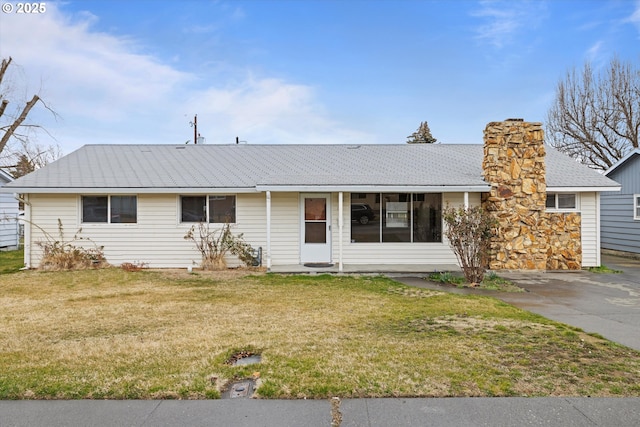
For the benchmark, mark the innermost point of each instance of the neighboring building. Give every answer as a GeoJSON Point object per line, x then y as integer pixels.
{"type": "Point", "coordinates": [621, 211]}
{"type": "Point", "coordinates": [294, 201]}
{"type": "Point", "coordinates": [9, 230]}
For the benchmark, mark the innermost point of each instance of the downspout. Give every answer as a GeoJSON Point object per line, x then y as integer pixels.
{"type": "Point", "coordinates": [598, 248]}
{"type": "Point", "coordinates": [27, 231]}
{"type": "Point", "coordinates": [466, 200]}
{"type": "Point", "coordinates": [340, 229]}
{"type": "Point", "coordinates": [268, 230]}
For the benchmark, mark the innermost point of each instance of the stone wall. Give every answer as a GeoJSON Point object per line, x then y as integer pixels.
{"type": "Point", "coordinates": [528, 237]}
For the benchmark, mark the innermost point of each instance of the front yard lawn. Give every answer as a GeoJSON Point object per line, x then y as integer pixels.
{"type": "Point", "coordinates": [11, 261]}
{"type": "Point", "coordinates": [167, 334]}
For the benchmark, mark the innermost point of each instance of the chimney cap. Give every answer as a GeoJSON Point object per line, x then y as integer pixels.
{"type": "Point", "coordinates": [514, 120]}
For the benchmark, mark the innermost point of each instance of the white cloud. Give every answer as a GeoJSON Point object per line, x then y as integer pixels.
{"type": "Point", "coordinates": [108, 90]}
{"type": "Point", "coordinates": [504, 20]}
{"type": "Point", "coordinates": [268, 111]}
{"type": "Point", "coordinates": [634, 18]}
{"type": "Point", "coordinates": [594, 52]}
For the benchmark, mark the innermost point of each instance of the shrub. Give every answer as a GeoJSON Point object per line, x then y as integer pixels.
{"type": "Point", "coordinates": [61, 254]}
{"type": "Point", "coordinates": [215, 244]}
{"type": "Point", "coordinates": [469, 231]}
{"type": "Point", "coordinates": [134, 266]}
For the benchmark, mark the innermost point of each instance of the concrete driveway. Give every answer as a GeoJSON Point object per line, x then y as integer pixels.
{"type": "Point", "coordinates": [604, 303]}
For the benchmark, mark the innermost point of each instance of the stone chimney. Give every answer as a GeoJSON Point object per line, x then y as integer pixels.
{"type": "Point", "coordinates": [528, 237]}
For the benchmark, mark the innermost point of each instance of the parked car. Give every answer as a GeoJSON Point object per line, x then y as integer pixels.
{"type": "Point", "coordinates": [362, 213]}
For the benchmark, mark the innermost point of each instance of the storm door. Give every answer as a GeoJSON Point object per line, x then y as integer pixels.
{"type": "Point", "coordinates": [315, 233]}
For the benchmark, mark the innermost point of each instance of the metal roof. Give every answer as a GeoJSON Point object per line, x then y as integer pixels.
{"type": "Point", "coordinates": [200, 168]}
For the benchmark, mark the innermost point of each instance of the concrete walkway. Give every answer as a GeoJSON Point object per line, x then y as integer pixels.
{"type": "Point", "coordinates": [461, 412]}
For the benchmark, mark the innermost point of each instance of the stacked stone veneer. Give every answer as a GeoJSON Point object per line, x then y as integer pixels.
{"type": "Point", "coordinates": [528, 237]}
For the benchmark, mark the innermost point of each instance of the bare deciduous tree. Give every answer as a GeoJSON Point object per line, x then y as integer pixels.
{"type": "Point", "coordinates": [596, 116]}
{"type": "Point", "coordinates": [13, 156]}
{"type": "Point", "coordinates": [422, 135]}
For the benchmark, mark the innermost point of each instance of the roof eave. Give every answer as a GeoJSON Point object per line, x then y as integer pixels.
{"type": "Point", "coordinates": [128, 190]}
{"type": "Point", "coordinates": [622, 161]}
{"type": "Point", "coordinates": [377, 188]}
{"type": "Point", "coordinates": [552, 189]}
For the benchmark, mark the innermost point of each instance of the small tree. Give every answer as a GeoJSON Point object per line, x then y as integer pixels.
{"type": "Point", "coordinates": [422, 135]}
{"type": "Point", "coordinates": [215, 244]}
{"type": "Point", "coordinates": [469, 231]}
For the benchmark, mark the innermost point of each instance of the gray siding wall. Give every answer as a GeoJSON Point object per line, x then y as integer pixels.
{"type": "Point", "coordinates": [619, 231]}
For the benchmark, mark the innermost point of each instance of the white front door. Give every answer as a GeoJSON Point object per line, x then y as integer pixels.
{"type": "Point", "coordinates": [315, 214]}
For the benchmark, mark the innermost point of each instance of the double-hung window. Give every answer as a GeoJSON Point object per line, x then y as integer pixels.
{"type": "Point", "coordinates": [636, 206]}
{"type": "Point", "coordinates": [215, 209]}
{"type": "Point", "coordinates": [110, 209]}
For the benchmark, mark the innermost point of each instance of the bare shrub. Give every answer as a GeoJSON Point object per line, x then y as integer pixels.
{"type": "Point", "coordinates": [215, 244]}
{"type": "Point", "coordinates": [134, 266]}
{"type": "Point", "coordinates": [61, 254]}
{"type": "Point", "coordinates": [469, 232]}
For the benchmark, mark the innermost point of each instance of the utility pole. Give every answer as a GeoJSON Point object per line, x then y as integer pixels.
{"type": "Point", "coordinates": [196, 136]}
{"type": "Point", "coordinates": [195, 129]}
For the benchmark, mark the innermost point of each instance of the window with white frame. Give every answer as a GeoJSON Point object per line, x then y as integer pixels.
{"type": "Point", "coordinates": [214, 209]}
{"type": "Point", "coordinates": [636, 206]}
{"type": "Point", "coordinates": [562, 201]}
{"type": "Point", "coordinates": [110, 209]}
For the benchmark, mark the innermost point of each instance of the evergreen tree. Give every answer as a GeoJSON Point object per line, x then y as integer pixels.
{"type": "Point", "coordinates": [422, 135]}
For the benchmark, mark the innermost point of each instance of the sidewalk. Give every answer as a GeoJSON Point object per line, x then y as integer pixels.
{"type": "Point", "coordinates": [442, 412]}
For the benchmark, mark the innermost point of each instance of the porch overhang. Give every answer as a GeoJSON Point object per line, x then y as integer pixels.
{"type": "Point", "coordinates": [374, 188]}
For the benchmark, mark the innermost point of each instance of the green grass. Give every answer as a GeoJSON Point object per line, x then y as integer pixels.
{"type": "Point", "coordinates": [491, 281]}
{"type": "Point", "coordinates": [11, 261]}
{"type": "Point", "coordinates": [168, 334]}
{"type": "Point", "coordinates": [603, 269]}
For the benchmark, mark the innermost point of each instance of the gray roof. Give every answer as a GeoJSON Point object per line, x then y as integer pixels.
{"type": "Point", "coordinates": [194, 168]}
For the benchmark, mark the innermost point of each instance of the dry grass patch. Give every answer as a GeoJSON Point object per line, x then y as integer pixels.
{"type": "Point", "coordinates": [168, 334]}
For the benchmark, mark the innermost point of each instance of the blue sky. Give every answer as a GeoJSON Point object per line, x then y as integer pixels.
{"type": "Point", "coordinates": [303, 71]}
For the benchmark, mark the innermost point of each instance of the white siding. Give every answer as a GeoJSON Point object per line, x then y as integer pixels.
{"type": "Point", "coordinates": [285, 228]}
{"type": "Point", "coordinates": [157, 239]}
{"type": "Point", "coordinates": [590, 226]}
{"type": "Point", "coordinates": [8, 220]}
{"type": "Point", "coordinates": [43, 225]}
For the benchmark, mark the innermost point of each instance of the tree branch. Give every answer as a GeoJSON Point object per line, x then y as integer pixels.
{"type": "Point", "coordinates": [25, 111]}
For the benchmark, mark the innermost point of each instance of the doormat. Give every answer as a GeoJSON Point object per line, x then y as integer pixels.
{"type": "Point", "coordinates": [318, 264]}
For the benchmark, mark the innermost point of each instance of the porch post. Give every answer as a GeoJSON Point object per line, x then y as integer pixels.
{"type": "Point", "coordinates": [340, 229]}
{"type": "Point", "coordinates": [268, 252]}
{"type": "Point", "coordinates": [466, 200]}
